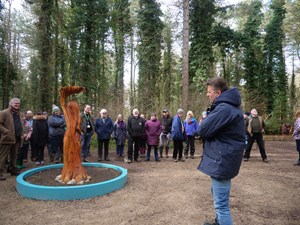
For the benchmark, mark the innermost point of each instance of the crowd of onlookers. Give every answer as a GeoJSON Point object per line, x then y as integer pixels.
{"type": "Point", "coordinates": [142, 135]}
{"type": "Point", "coordinates": [41, 130]}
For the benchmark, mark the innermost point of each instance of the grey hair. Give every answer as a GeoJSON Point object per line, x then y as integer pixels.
{"type": "Point", "coordinates": [180, 111]}
{"type": "Point", "coordinates": [14, 100]}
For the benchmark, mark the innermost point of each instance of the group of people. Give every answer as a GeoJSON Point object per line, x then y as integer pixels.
{"type": "Point", "coordinates": [227, 136]}
{"type": "Point", "coordinates": [156, 133]}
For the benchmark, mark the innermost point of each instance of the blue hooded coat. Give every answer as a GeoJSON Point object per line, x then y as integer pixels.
{"type": "Point", "coordinates": [224, 133]}
{"type": "Point", "coordinates": [177, 130]}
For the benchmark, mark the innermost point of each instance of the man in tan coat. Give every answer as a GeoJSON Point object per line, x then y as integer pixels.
{"type": "Point", "coordinates": [11, 130]}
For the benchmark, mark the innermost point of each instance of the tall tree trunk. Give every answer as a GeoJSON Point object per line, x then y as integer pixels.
{"type": "Point", "coordinates": [132, 70]}
{"type": "Point", "coordinates": [46, 53]}
{"type": "Point", "coordinates": [185, 56]}
{"type": "Point", "coordinates": [8, 71]}
{"type": "Point", "coordinates": [56, 66]}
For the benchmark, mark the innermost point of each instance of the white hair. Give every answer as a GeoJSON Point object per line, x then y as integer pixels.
{"type": "Point", "coordinates": [13, 100]}
{"type": "Point", "coordinates": [135, 112]}
{"type": "Point", "coordinates": [103, 111]}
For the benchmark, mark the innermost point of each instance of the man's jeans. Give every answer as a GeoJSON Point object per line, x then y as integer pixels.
{"type": "Point", "coordinates": [221, 190]}
{"type": "Point", "coordinates": [85, 143]}
{"type": "Point", "coordinates": [164, 138]}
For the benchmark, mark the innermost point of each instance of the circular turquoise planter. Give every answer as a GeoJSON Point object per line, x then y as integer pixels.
{"type": "Point", "coordinates": [40, 192]}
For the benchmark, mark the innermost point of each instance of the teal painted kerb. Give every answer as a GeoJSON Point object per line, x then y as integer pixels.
{"type": "Point", "coordinates": [73, 192]}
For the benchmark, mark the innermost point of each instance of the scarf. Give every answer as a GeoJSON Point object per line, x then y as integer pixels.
{"type": "Point", "coordinates": [190, 120]}
{"type": "Point", "coordinates": [15, 111]}
{"type": "Point", "coordinates": [121, 124]}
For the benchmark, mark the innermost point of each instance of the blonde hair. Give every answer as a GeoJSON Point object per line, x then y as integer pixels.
{"type": "Point", "coordinates": [119, 115]}
{"type": "Point", "coordinates": [190, 113]}
{"type": "Point", "coordinates": [297, 113]}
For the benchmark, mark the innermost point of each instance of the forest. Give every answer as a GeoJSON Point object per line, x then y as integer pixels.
{"type": "Point", "coordinates": [151, 54]}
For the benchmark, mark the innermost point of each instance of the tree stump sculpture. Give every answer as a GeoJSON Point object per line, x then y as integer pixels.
{"type": "Point", "coordinates": [72, 168]}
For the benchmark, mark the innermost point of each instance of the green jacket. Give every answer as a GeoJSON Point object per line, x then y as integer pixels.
{"type": "Point", "coordinates": [261, 124]}
{"type": "Point", "coordinates": [84, 121]}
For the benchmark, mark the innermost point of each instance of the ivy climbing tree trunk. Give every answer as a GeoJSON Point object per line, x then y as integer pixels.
{"type": "Point", "coordinates": [73, 168]}
{"type": "Point", "coordinates": [45, 53]}
{"type": "Point", "coordinates": [185, 56]}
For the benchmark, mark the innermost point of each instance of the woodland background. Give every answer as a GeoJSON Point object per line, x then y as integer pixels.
{"type": "Point", "coordinates": [151, 54]}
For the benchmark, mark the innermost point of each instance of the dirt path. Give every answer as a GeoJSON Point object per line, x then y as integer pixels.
{"type": "Point", "coordinates": [169, 193]}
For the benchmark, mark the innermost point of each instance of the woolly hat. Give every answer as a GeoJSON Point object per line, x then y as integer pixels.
{"type": "Point", "coordinates": [55, 109]}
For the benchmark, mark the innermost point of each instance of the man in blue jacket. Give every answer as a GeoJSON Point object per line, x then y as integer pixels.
{"type": "Point", "coordinates": [178, 136]}
{"type": "Point", "coordinates": [104, 127]}
{"type": "Point", "coordinates": [224, 133]}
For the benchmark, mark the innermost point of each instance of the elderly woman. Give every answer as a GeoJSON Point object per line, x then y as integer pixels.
{"type": "Point", "coordinates": [296, 136]}
{"type": "Point", "coordinates": [120, 135]}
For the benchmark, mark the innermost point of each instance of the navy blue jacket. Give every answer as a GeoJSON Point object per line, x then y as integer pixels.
{"type": "Point", "coordinates": [224, 133]}
{"type": "Point", "coordinates": [177, 131]}
{"type": "Point", "coordinates": [102, 129]}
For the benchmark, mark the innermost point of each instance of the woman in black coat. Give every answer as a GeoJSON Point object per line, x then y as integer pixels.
{"type": "Point", "coordinates": [40, 136]}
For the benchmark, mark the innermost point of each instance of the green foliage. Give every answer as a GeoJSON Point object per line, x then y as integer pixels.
{"type": "Point", "coordinates": [253, 55]}
{"type": "Point", "coordinates": [121, 26]}
{"type": "Point", "coordinates": [150, 28]}
{"type": "Point", "coordinates": [201, 37]}
{"type": "Point", "coordinates": [275, 75]}
{"type": "Point", "coordinates": [84, 42]}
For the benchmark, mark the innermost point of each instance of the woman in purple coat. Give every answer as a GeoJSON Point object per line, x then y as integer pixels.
{"type": "Point", "coordinates": [120, 135]}
{"type": "Point", "coordinates": [153, 130]}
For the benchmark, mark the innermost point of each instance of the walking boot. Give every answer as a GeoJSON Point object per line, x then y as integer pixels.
{"type": "Point", "coordinates": [214, 222]}
{"type": "Point", "coordinates": [51, 156]}
{"type": "Point", "coordinates": [297, 163]}
{"type": "Point", "coordinates": [2, 177]}
{"type": "Point", "coordinates": [18, 164]}
{"type": "Point", "coordinates": [160, 152]}
{"type": "Point", "coordinates": [167, 152]}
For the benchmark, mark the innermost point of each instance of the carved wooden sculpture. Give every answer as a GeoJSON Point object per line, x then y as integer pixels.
{"type": "Point", "coordinates": [73, 168]}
